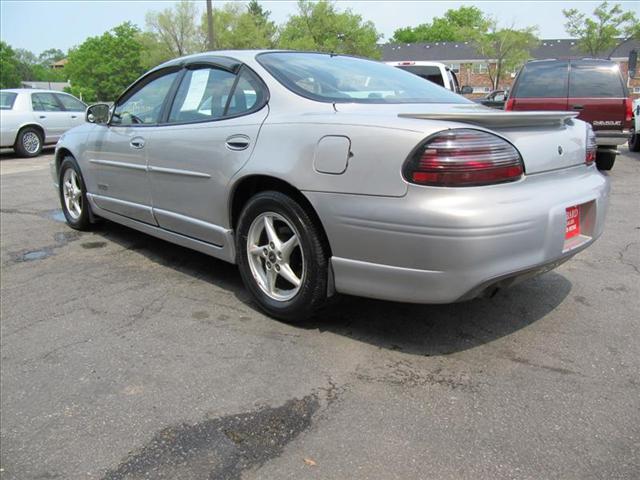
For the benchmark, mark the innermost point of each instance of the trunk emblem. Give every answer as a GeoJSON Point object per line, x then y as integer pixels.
{"type": "Point", "coordinates": [560, 150]}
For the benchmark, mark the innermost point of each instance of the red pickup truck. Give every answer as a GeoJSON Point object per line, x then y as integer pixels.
{"type": "Point", "coordinates": [593, 87]}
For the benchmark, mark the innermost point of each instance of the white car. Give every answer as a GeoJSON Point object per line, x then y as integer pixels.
{"type": "Point", "coordinates": [31, 119]}
{"type": "Point", "coordinates": [634, 139]}
{"type": "Point", "coordinates": [435, 72]}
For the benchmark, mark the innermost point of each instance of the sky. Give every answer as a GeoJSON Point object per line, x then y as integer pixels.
{"type": "Point", "coordinates": [40, 25]}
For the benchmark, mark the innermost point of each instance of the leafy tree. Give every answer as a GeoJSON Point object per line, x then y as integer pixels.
{"type": "Point", "coordinates": [153, 51]}
{"type": "Point", "coordinates": [102, 67]}
{"type": "Point", "coordinates": [242, 28]}
{"type": "Point", "coordinates": [177, 29]}
{"type": "Point", "coordinates": [50, 56]}
{"type": "Point", "coordinates": [506, 49]}
{"type": "Point", "coordinates": [26, 61]}
{"type": "Point", "coordinates": [457, 25]}
{"type": "Point", "coordinates": [9, 73]}
{"type": "Point", "coordinates": [319, 26]}
{"type": "Point", "coordinates": [608, 27]}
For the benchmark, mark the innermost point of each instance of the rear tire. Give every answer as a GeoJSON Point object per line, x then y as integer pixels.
{"type": "Point", "coordinates": [28, 142]}
{"type": "Point", "coordinates": [277, 241]}
{"type": "Point", "coordinates": [605, 160]}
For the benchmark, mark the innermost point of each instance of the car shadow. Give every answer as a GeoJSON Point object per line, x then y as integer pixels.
{"type": "Point", "coordinates": [415, 329]}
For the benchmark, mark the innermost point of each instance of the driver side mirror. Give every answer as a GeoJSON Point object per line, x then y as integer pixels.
{"type": "Point", "coordinates": [466, 90]}
{"type": "Point", "coordinates": [98, 114]}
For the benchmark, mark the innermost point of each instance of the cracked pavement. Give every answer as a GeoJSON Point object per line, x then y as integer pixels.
{"type": "Point", "coordinates": [126, 357]}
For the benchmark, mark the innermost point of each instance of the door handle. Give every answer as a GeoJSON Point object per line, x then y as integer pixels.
{"type": "Point", "coordinates": [578, 107]}
{"type": "Point", "coordinates": [43, 116]}
{"type": "Point", "coordinates": [137, 143]}
{"type": "Point", "coordinates": [74, 116]}
{"type": "Point", "coordinates": [237, 142]}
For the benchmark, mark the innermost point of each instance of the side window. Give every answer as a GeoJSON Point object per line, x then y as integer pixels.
{"type": "Point", "coordinates": [45, 102]}
{"type": "Point", "coordinates": [70, 103]}
{"type": "Point", "coordinates": [543, 80]}
{"type": "Point", "coordinates": [145, 105]}
{"type": "Point", "coordinates": [209, 94]}
{"type": "Point", "coordinates": [202, 95]}
{"type": "Point", "coordinates": [247, 94]}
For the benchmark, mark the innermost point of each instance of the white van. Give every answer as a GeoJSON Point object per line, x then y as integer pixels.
{"type": "Point", "coordinates": [435, 72]}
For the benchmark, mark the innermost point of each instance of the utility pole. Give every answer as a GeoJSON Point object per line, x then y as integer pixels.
{"type": "Point", "coordinates": [210, 24]}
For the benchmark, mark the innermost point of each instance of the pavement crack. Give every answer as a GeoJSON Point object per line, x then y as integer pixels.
{"type": "Point", "coordinates": [624, 261]}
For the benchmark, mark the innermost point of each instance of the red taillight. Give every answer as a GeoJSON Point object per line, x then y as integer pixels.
{"type": "Point", "coordinates": [629, 110]}
{"type": "Point", "coordinates": [463, 158]}
{"type": "Point", "coordinates": [592, 146]}
{"type": "Point", "coordinates": [511, 102]}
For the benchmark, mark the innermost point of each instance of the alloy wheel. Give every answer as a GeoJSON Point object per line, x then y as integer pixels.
{"type": "Point", "coordinates": [275, 256]}
{"type": "Point", "coordinates": [31, 142]}
{"type": "Point", "coordinates": [72, 193]}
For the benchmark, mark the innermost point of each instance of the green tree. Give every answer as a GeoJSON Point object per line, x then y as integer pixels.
{"type": "Point", "coordinates": [50, 56]}
{"type": "Point", "coordinates": [153, 52]}
{"type": "Point", "coordinates": [26, 63]}
{"type": "Point", "coordinates": [102, 67]}
{"type": "Point", "coordinates": [460, 24]}
{"type": "Point", "coordinates": [505, 49]}
{"type": "Point", "coordinates": [319, 26]}
{"type": "Point", "coordinates": [9, 73]}
{"type": "Point", "coordinates": [176, 29]}
{"type": "Point", "coordinates": [238, 27]}
{"type": "Point", "coordinates": [608, 27]}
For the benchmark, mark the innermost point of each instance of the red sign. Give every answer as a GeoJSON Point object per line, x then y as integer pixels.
{"type": "Point", "coordinates": [573, 222]}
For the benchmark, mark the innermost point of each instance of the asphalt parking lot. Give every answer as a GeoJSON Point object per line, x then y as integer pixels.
{"type": "Point", "coordinates": [126, 357]}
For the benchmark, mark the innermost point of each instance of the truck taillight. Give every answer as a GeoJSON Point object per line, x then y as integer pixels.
{"type": "Point", "coordinates": [592, 146]}
{"type": "Point", "coordinates": [511, 102]}
{"type": "Point", "coordinates": [463, 158]}
{"type": "Point", "coordinates": [629, 110]}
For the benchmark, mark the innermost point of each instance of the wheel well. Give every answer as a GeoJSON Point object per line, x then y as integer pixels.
{"type": "Point", "coordinates": [249, 186]}
{"type": "Point", "coordinates": [35, 127]}
{"type": "Point", "coordinates": [60, 156]}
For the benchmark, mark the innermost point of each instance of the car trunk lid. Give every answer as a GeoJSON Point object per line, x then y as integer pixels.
{"type": "Point", "coordinates": [546, 140]}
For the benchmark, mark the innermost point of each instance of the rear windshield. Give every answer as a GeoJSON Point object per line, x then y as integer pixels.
{"type": "Point", "coordinates": [7, 99]}
{"type": "Point", "coordinates": [595, 81]}
{"type": "Point", "coordinates": [342, 79]}
{"type": "Point", "coordinates": [428, 73]}
{"type": "Point", "coordinates": [542, 80]}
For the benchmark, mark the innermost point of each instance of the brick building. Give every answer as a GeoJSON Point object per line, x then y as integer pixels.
{"type": "Point", "coordinates": [471, 68]}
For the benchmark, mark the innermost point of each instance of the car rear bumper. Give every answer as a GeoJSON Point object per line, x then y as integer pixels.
{"type": "Point", "coordinates": [7, 137]}
{"type": "Point", "coordinates": [438, 245]}
{"type": "Point", "coordinates": [612, 137]}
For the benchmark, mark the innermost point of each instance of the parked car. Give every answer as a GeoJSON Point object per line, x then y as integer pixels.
{"type": "Point", "coordinates": [315, 179]}
{"type": "Point", "coordinates": [494, 99]}
{"type": "Point", "coordinates": [31, 119]}
{"type": "Point", "coordinates": [435, 72]}
{"type": "Point", "coordinates": [594, 88]}
{"type": "Point", "coordinates": [634, 134]}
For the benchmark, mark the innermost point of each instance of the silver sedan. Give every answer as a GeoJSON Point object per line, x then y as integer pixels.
{"type": "Point", "coordinates": [321, 174]}
{"type": "Point", "coordinates": [31, 119]}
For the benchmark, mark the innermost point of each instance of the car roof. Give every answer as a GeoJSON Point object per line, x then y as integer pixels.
{"type": "Point", "coordinates": [231, 59]}
{"type": "Point", "coordinates": [30, 90]}
{"type": "Point", "coordinates": [584, 61]}
{"type": "Point", "coordinates": [419, 63]}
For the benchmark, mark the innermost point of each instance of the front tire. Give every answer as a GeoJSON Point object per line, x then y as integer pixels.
{"type": "Point", "coordinates": [28, 142]}
{"type": "Point", "coordinates": [73, 195]}
{"type": "Point", "coordinates": [605, 160]}
{"type": "Point", "coordinates": [281, 256]}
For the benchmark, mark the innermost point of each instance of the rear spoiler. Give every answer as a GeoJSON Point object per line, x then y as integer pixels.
{"type": "Point", "coordinates": [499, 119]}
